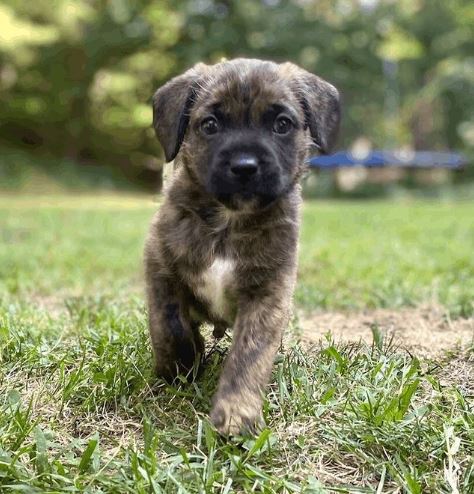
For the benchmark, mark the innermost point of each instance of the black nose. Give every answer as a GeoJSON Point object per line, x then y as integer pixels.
{"type": "Point", "coordinates": [244, 165]}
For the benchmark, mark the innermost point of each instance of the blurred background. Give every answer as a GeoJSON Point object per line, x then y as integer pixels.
{"type": "Point", "coordinates": [77, 76]}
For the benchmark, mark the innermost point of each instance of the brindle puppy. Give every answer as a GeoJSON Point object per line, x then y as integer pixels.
{"type": "Point", "coordinates": [223, 247]}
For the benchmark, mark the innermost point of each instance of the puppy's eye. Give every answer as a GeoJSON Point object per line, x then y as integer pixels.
{"type": "Point", "coordinates": [210, 126]}
{"type": "Point", "coordinates": [282, 125]}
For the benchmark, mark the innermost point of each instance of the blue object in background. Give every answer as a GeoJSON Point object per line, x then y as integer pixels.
{"type": "Point", "coordinates": [380, 158]}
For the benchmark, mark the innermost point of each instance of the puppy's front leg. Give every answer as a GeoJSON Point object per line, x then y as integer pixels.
{"type": "Point", "coordinates": [247, 369]}
{"type": "Point", "coordinates": [175, 337]}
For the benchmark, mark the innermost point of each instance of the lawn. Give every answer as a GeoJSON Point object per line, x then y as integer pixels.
{"type": "Point", "coordinates": [81, 412]}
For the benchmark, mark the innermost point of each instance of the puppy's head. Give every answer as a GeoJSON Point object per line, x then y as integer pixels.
{"type": "Point", "coordinates": [243, 127]}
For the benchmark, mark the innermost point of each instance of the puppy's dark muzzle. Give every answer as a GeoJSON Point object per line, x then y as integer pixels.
{"type": "Point", "coordinates": [244, 170]}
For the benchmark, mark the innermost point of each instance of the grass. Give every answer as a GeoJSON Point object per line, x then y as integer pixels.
{"type": "Point", "coordinates": [388, 254]}
{"type": "Point", "coordinates": [81, 412]}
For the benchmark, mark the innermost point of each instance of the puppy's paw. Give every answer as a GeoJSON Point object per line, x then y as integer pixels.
{"type": "Point", "coordinates": [233, 417]}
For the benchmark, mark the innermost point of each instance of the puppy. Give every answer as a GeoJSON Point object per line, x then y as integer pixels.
{"type": "Point", "coordinates": [223, 247]}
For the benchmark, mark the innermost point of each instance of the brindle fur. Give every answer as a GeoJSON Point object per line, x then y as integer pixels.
{"type": "Point", "coordinates": [195, 224]}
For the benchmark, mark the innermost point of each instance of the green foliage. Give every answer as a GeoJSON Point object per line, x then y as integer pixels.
{"type": "Point", "coordinates": [22, 172]}
{"type": "Point", "coordinates": [76, 77]}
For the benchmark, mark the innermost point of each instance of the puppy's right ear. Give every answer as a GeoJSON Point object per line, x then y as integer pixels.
{"type": "Point", "coordinates": [172, 105]}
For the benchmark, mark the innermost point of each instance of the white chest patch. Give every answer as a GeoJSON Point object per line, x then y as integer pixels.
{"type": "Point", "coordinates": [215, 286]}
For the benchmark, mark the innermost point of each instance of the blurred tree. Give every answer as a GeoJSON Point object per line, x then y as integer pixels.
{"type": "Point", "coordinates": [76, 76]}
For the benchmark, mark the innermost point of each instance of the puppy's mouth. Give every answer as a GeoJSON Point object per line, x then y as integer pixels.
{"type": "Point", "coordinates": [246, 194]}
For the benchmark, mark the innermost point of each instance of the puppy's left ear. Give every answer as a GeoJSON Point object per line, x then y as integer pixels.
{"type": "Point", "coordinates": [321, 105]}
{"type": "Point", "coordinates": [172, 104]}
{"type": "Point", "coordinates": [322, 108]}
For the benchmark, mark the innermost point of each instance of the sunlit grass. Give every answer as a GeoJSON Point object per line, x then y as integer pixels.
{"type": "Point", "coordinates": [352, 255]}
{"type": "Point", "coordinates": [387, 254]}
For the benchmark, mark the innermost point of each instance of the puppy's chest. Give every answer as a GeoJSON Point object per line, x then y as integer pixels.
{"type": "Point", "coordinates": [216, 285]}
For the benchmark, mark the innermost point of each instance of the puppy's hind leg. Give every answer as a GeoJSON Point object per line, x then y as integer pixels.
{"type": "Point", "coordinates": [177, 343]}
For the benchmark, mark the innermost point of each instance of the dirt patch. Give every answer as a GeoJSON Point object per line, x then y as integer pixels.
{"type": "Point", "coordinates": [425, 331]}
{"type": "Point", "coordinates": [459, 371]}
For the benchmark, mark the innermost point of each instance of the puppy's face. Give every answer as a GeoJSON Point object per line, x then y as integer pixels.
{"type": "Point", "coordinates": [243, 127]}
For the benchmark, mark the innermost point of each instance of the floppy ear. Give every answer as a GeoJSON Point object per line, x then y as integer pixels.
{"type": "Point", "coordinates": [172, 104]}
{"type": "Point", "coordinates": [321, 105]}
